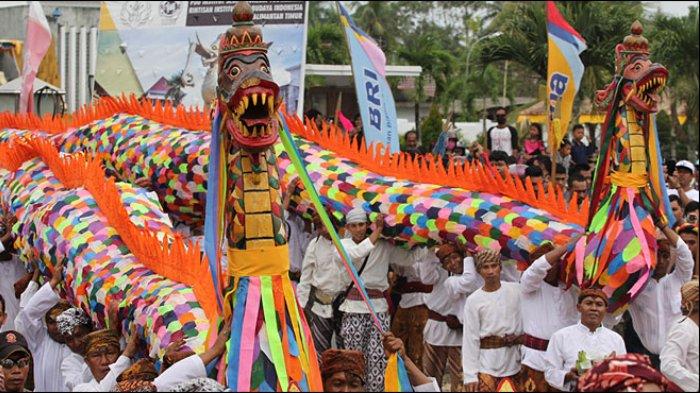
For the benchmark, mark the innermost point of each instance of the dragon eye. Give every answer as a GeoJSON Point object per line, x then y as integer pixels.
{"type": "Point", "coordinates": [234, 71]}
{"type": "Point", "coordinates": [264, 69]}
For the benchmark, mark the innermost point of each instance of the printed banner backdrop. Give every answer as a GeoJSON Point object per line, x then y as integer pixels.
{"type": "Point", "coordinates": [167, 49]}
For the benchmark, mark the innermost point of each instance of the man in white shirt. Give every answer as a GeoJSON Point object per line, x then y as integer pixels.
{"type": "Point", "coordinates": [298, 233]}
{"type": "Point", "coordinates": [681, 183]}
{"type": "Point", "coordinates": [679, 356]}
{"type": "Point", "coordinates": [321, 281]}
{"type": "Point", "coordinates": [74, 325]}
{"type": "Point", "coordinates": [547, 306]}
{"type": "Point", "coordinates": [103, 357]}
{"type": "Point", "coordinates": [141, 376]}
{"type": "Point", "coordinates": [659, 304]}
{"type": "Point", "coordinates": [502, 136]}
{"type": "Point", "coordinates": [411, 314]}
{"type": "Point", "coordinates": [492, 329]}
{"type": "Point", "coordinates": [453, 279]}
{"type": "Point", "coordinates": [357, 327]}
{"type": "Point", "coordinates": [572, 350]}
{"type": "Point", "coordinates": [36, 321]}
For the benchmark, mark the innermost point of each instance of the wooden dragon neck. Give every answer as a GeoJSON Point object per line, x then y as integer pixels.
{"type": "Point", "coordinates": [631, 137]}
{"type": "Point", "coordinates": [254, 202]}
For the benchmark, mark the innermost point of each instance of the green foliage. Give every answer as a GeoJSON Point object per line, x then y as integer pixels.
{"type": "Point", "coordinates": [431, 126]}
{"type": "Point", "coordinates": [663, 127]}
{"type": "Point", "coordinates": [326, 44]}
{"type": "Point", "coordinates": [524, 38]}
{"type": "Point", "coordinates": [438, 36]}
{"type": "Point", "coordinates": [674, 43]}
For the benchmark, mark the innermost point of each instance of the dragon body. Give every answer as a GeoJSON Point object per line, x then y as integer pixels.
{"type": "Point", "coordinates": [81, 189]}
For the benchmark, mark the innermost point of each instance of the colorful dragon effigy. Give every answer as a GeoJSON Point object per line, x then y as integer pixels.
{"type": "Point", "coordinates": [100, 190]}
{"type": "Point", "coordinates": [629, 195]}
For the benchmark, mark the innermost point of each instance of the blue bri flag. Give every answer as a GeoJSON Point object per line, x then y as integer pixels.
{"type": "Point", "coordinates": [377, 107]}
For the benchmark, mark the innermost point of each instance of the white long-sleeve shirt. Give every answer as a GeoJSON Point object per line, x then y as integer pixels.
{"type": "Point", "coordinates": [298, 240]}
{"type": "Point", "coordinates": [659, 304]}
{"type": "Point", "coordinates": [319, 270]}
{"type": "Point", "coordinates": [188, 368]}
{"type": "Point", "coordinates": [486, 314]}
{"type": "Point", "coordinates": [75, 371]}
{"type": "Point", "coordinates": [679, 357]}
{"type": "Point", "coordinates": [565, 345]}
{"type": "Point", "coordinates": [545, 309]}
{"type": "Point", "coordinates": [409, 300]}
{"type": "Point", "coordinates": [374, 274]}
{"type": "Point", "coordinates": [109, 382]}
{"type": "Point", "coordinates": [10, 272]}
{"type": "Point", "coordinates": [431, 386]}
{"type": "Point", "coordinates": [48, 354]}
{"type": "Point", "coordinates": [448, 297]}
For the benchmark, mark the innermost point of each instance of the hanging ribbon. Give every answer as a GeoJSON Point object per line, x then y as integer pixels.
{"type": "Point", "coordinates": [213, 228]}
{"type": "Point", "coordinates": [296, 159]}
{"type": "Point", "coordinates": [395, 375]}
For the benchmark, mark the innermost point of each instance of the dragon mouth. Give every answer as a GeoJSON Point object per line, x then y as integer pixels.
{"type": "Point", "coordinates": [253, 106]}
{"type": "Point", "coordinates": [648, 89]}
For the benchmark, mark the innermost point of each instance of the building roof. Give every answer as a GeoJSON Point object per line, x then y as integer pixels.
{"type": "Point", "coordinates": [160, 87]}
{"type": "Point", "coordinates": [15, 86]}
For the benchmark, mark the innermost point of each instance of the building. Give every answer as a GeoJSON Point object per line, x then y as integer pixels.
{"type": "Point", "coordinates": [71, 59]}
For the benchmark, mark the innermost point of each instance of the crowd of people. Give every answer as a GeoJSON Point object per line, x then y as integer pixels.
{"type": "Point", "coordinates": [464, 320]}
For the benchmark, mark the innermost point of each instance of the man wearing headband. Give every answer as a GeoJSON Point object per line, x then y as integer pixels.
{"type": "Point", "coordinates": [343, 370]}
{"type": "Point", "coordinates": [74, 325]}
{"type": "Point", "coordinates": [142, 375]}
{"type": "Point", "coordinates": [573, 349]}
{"type": "Point", "coordinates": [453, 279]}
{"type": "Point", "coordinates": [547, 306]}
{"type": "Point", "coordinates": [357, 328]}
{"type": "Point", "coordinates": [492, 328]}
{"type": "Point", "coordinates": [657, 306]}
{"type": "Point", "coordinates": [679, 357]}
{"type": "Point", "coordinates": [102, 355]}
{"type": "Point", "coordinates": [36, 321]}
{"type": "Point", "coordinates": [15, 360]}
{"type": "Point", "coordinates": [631, 372]}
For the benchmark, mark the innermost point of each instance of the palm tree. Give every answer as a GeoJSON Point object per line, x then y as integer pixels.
{"type": "Point", "coordinates": [524, 40]}
{"type": "Point", "coordinates": [674, 43]}
{"type": "Point", "coordinates": [378, 20]}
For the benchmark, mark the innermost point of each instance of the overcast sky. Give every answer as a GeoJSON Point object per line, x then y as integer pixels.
{"type": "Point", "coordinates": [675, 8]}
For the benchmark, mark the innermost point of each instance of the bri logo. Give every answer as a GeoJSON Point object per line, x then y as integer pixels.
{"type": "Point", "coordinates": [557, 87]}
{"type": "Point", "coordinates": [372, 96]}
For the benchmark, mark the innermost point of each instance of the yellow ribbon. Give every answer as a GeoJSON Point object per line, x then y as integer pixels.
{"type": "Point", "coordinates": [626, 179]}
{"type": "Point", "coordinates": [267, 261]}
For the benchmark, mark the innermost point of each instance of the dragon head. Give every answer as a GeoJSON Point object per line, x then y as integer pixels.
{"type": "Point", "coordinates": [642, 80]}
{"type": "Point", "coordinates": [248, 96]}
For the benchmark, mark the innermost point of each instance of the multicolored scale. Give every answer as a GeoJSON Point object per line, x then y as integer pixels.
{"type": "Point", "coordinates": [56, 223]}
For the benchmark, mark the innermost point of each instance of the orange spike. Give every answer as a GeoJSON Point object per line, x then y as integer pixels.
{"type": "Point", "coordinates": [14, 153]}
{"type": "Point", "coordinates": [530, 190]}
{"type": "Point", "coordinates": [78, 170]}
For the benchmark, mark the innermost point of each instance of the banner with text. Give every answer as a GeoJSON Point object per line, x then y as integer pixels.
{"type": "Point", "coordinates": [167, 50]}
{"type": "Point", "coordinates": [374, 97]}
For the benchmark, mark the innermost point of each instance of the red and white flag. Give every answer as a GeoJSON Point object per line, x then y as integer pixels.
{"type": "Point", "coordinates": [35, 46]}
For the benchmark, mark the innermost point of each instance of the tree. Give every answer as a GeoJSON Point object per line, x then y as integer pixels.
{"type": "Point", "coordinates": [674, 43]}
{"type": "Point", "coordinates": [524, 40]}
{"type": "Point", "coordinates": [325, 38]}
